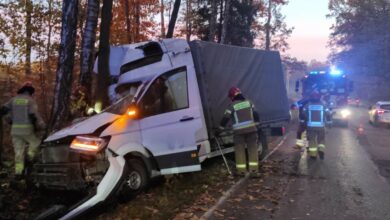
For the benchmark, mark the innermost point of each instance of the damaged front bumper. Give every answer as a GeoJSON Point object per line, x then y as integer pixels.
{"type": "Point", "coordinates": [62, 169]}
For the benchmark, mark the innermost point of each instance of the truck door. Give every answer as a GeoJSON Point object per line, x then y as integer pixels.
{"type": "Point", "coordinates": [170, 122]}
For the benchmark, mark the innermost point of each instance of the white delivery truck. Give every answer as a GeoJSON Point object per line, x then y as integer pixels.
{"type": "Point", "coordinates": [168, 97]}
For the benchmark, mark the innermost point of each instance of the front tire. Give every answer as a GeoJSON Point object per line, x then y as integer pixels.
{"type": "Point", "coordinates": [135, 180]}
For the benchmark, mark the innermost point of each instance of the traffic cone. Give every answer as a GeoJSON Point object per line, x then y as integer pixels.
{"type": "Point", "coordinates": [360, 130]}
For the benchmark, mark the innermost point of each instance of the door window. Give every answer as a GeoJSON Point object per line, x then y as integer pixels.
{"type": "Point", "coordinates": [167, 93]}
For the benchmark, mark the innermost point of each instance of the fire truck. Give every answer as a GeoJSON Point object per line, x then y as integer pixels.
{"type": "Point", "coordinates": [334, 86]}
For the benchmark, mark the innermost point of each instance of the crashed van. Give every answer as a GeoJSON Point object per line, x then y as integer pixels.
{"type": "Point", "coordinates": [168, 97]}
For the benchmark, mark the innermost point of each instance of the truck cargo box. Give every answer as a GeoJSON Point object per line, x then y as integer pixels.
{"type": "Point", "coordinates": [258, 73]}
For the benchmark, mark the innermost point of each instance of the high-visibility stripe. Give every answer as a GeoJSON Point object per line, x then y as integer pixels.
{"type": "Point", "coordinates": [227, 111]}
{"type": "Point", "coordinates": [243, 125]}
{"type": "Point", "coordinates": [312, 149]}
{"type": "Point", "coordinates": [321, 146]}
{"type": "Point", "coordinates": [21, 125]}
{"type": "Point", "coordinates": [21, 101]}
{"type": "Point", "coordinates": [253, 164]}
{"type": "Point", "coordinates": [300, 143]}
{"type": "Point", "coordinates": [19, 168]}
{"type": "Point", "coordinates": [242, 105]}
{"type": "Point", "coordinates": [241, 165]}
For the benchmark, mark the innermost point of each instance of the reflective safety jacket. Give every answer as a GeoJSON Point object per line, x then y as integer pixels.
{"type": "Point", "coordinates": [24, 114]}
{"type": "Point", "coordinates": [243, 115]}
{"type": "Point", "coordinates": [315, 114]}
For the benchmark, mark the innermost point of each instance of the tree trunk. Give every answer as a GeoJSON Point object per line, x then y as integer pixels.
{"type": "Point", "coordinates": [104, 55]}
{"type": "Point", "coordinates": [60, 110]}
{"type": "Point", "coordinates": [213, 20]}
{"type": "Point", "coordinates": [188, 20]}
{"type": "Point", "coordinates": [29, 10]}
{"type": "Point", "coordinates": [137, 20]}
{"type": "Point", "coordinates": [172, 21]}
{"type": "Point", "coordinates": [47, 72]}
{"type": "Point", "coordinates": [162, 8]}
{"type": "Point", "coordinates": [50, 27]}
{"type": "Point", "coordinates": [226, 19]}
{"type": "Point", "coordinates": [128, 22]}
{"type": "Point", "coordinates": [1, 141]}
{"type": "Point", "coordinates": [80, 28]}
{"type": "Point", "coordinates": [268, 26]}
{"type": "Point", "coordinates": [220, 22]}
{"type": "Point", "coordinates": [88, 44]}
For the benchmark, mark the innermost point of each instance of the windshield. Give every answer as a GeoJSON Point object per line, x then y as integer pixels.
{"type": "Point", "coordinates": [124, 97]}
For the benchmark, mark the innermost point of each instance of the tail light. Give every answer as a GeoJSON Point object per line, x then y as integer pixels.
{"type": "Point", "coordinates": [380, 111]}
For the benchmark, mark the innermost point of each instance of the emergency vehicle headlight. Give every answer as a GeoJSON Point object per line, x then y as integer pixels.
{"type": "Point", "coordinates": [88, 143]}
{"type": "Point", "coordinates": [345, 113]}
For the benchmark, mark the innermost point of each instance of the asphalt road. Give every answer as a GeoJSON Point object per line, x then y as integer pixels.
{"type": "Point", "coordinates": [351, 183]}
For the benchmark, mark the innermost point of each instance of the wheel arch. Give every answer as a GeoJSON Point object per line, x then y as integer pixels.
{"type": "Point", "coordinates": [136, 151]}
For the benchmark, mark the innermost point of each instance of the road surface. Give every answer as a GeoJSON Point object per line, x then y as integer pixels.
{"type": "Point", "coordinates": [349, 184]}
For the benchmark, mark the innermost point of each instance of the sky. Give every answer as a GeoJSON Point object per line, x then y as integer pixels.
{"type": "Point", "coordinates": [309, 38]}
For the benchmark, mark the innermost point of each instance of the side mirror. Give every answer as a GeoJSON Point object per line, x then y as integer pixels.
{"type": "Point", "coordinates": [133, 112]}
{"type": "Point", "coordinates": [297, 86]}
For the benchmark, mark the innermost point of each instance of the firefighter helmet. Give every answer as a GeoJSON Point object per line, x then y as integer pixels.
{"type": "Point", "coordinates": [233, 92]}
{"type": "Point", "coordinates": [27, 87]}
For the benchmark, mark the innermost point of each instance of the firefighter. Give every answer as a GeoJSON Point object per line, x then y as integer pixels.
{"type": "Point", "coordinates": [25, 120]}
{"type": "Point", "coordinates": [315, 116]}
{"type": "Point", "coordinates": [245, 120]}
{"type": "Point", "coordinates": [300, 141]}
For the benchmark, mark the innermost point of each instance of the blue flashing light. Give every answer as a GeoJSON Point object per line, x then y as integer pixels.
{"type": "Point", "coordinates": [313, 72]}
{"type": "Point", "coordinates": [335, 72]}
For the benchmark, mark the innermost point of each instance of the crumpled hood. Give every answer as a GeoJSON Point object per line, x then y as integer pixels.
{"type": "Point", "coordinates": [86, 126]}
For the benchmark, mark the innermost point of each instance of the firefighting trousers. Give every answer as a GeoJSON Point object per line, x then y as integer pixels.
{"type": "Point", "coordinates": [250, 141]}
{"type": "Point", "coordinates": [23, 143]}
{"type": "Point", "coordinates": [316, 138]}
{"type": "Point", "coordinates": [300, 142]}
{"type": "Point", "coordinates": [301, 129]}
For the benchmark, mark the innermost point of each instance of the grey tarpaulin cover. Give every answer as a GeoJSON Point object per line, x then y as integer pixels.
{"type": "Point", "coordinates": [258, 73]}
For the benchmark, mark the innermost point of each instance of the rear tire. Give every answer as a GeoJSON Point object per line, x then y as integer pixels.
{"type": "Point", "coordinates": [135, 180]}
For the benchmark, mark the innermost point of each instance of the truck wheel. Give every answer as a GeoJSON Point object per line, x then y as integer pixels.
{"type": "Point", "coordinates": [264, 146]}
{"type": "Point", "coordinates": [135, 180]}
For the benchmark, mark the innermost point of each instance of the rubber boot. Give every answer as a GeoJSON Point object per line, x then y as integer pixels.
{"type": "Point", "coordinates": [312, 152]}
{"type": "Point", "coordinates": [321, 154]}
